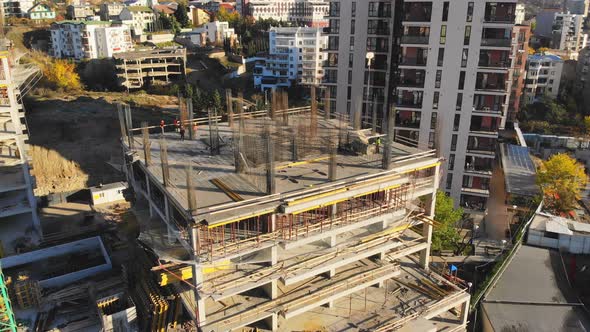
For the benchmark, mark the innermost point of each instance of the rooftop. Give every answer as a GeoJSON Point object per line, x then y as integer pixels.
{"type": "Point", "coordinates": [158, 52]}
{"type": "Point", "coordinates": [218, 187]}
{"type": "Point", "coordinates": [555, 224]}
{"type": "Point", "coordinates": [519, 169]}
{"type": "Point", "coordinates": [544, 57]}
{"type": "Point", "coordinates": [534, 294]}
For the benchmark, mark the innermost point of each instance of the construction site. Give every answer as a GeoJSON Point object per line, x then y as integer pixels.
{"type": "Point", "coordinates": [288, 219]}
{"type": "Point", "coordinates": [138, 68]}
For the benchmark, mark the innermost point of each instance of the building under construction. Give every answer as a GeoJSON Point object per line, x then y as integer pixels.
{"type": "Point", "coordinates": [290, 220]}
{"type": "Point", "coordinates": [139, 68]}
{"type": "Point", "coordinates": [18, 208]}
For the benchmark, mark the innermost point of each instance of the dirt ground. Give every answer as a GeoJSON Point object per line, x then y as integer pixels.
{"type": "Point", "coordinates": [74, 138]}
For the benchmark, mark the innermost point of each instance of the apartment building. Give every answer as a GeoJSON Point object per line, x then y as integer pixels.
{"type": "Point", "coordinates": [448, 78]}
{"type": "Point", "coordinates": [295, 56]}
{"type": "Point", "coordinates": [110, 11]}
{"type": "Point", "coordinates": [79, 40]}
{"type": "Point", "coordinates": [213, 32]}
{"type": "Point", "coordinates": [279, 241]}
{"type": "Point", "coordinates": [308, 12]}
{"type": "Point", "coordinates": [562, 31]}
{"type": "Point", "coordinates": [138, 19]}
{"type": "Point", "coordinates": [582, 83]}
{"type": "Point", "coordinates": [17, 8]}
{"type": "Point", "coordinates": [79, 13]}
{"type": "Point", "coordinates": [579, 7]}
{"type": "Point", "coordinates": [18, 205]}
{"type": "Point", "coordinates": [543, 77]}
{"type": "Point", "coordinates": [522, 35]}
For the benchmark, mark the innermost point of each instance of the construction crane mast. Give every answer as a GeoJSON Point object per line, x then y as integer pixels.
{"type": "Point", "coordinates": [7, 321]}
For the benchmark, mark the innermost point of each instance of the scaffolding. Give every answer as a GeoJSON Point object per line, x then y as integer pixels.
{"type": "Point", "coordinates": [7, 321]}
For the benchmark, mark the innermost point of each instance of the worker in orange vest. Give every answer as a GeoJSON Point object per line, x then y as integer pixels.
{"type": "Point", "coordinates": [176, 125]}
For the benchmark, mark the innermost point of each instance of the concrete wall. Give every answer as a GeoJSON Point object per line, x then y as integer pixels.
{"type": "Point", "coordinates": [575, 244]}
{"type": "Point", "coordinates": [94, 243]}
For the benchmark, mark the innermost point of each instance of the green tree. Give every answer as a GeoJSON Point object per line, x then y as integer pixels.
{"type": "Point", "coordinates": [165, 22]}
{"type": "Point", "coordinates": [587, 124]}
{"type": "Point", "coordinates": [561, 178]}
{"type": "Point", "coordinates": [181, 16]}
{"type": "Point", "coordinates": [216, 101]}
{"type": "Point", "coordinates": [445, 234]}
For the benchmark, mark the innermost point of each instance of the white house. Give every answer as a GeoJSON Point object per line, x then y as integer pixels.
{"type": "Point", "coordinates": [295, 55]}
{"type": "Point", "coordinates": [543, 77]}
{"type": "Point", "coordinates": [138, 19]}
{"type": "Point", "coordinates": [88, 39]}
{"type": "Point", "coordinates": [214, 32]}
{"type": "Point", "coordinates": [550, 231]}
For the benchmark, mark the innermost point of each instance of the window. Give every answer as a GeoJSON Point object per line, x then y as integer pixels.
{"type": "Point", "coordinates": [333, 43]}
{"type": "Point", "coordinates": [433, 118]}
{"type": "Point", "coordinates": [464, 57]}
{"type": "Point", "coordinates": [332, 59]}
{"type": "Point", "coordinates": [352, 24]}
{"type": "Point", "coordinates": [441, 56]}
{"type": "Point", "coordinates": [352, 43]}
{"type": "Point", "coordinates": [461, 80]}
{"type": "Point", "coordinates": [349, 92]}
{"type": "Point", "coordinates": [438, 78]}
{"type": "Point", "coordinates": [449, 180]}
{"type": "Point", "coordinates": [470, 11]}
{"type": "Point", "coordinates": [350, 60]}
{"type": "Point", "coordinates": [454, 143]}
{"type": "Point", "coordinates": [350, 77]}
{"type": "Point", "coordinates": [445, 15]}
{"type": "Point", "coordinates": [459, 103]}
{"type": "Point", "coordinates": [435, 100]}
{"type": "Point", "coordinates": [456, 122]}
{"type": "Point", "coordinates": [443, 34]}
{"type": "Point", "coordinates": [334, 9]}
{"type": "Point", "coordinates": [353, 10]}
{"type": "Point", "coordinates": [451, 162]}
{"type": "Point", "coordinates": [431, 139]}
{"type": "Point", "coordinates": [467, 35]}
{"type": "Point", "coordinates": [334, 26]}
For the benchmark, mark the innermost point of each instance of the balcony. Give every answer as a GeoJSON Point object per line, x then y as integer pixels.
{"type": "Point", "coordinates": [417, 11]}
{"type": "Point", "coordinates": [416, 35]}
{"type": "Point", "coordinates": [478, 166]}
{"type": "Point", "coordinates": [494, 59]}
{"type": "Point", "coordinates": [496, 37]}
{"type": "Point", "coordinates": [476, 191]}
{"type": "Point", "coordinates": [493, 82]}
{"type": "Point", "coordinates": [498, 12]}
{"type": "Point", "coordinates": [412, 78]}
{"type": "Point", "coordinates": [496, 42]}
{"type": "Point", "coordinates": [416, 40]}
{"type": "Point", "coordinates": [409, 99]}
{"type": "Point", "coordinates": [482, 146]}
{"type": "Point", "coordinates": [473, 204]}
{"type": "Point", "coordinates": [407, 119]}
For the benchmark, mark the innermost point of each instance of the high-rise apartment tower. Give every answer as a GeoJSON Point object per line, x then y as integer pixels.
{"type": "Point", "coordinates": [443, 67]}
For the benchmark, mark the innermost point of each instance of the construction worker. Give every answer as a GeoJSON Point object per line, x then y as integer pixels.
{"type": "Point", "coordinates": [162, 126]}
{"type": "Point", "coordinates": [181, 131]}
{"type": "Point", "coordinates": [176, 125]}
{"type": "Point", "coordinates": [377, 144]}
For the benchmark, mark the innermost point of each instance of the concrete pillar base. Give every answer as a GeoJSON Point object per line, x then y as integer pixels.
{"type": "Point", "coordinates": [272, 322]}
{"type": "Point", "coordinates": [271, 289]}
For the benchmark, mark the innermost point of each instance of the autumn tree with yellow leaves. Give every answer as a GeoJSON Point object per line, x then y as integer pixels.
{"type": "Point", "coordinates": [58, 73]}
{"type": "Point", "coordinates": [562, 179]}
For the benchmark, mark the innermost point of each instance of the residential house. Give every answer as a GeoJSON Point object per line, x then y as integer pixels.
{"type": "Point", "coordinates": [138, 19]}
{"type": "Point", "coordinates": [41, 11]}
{"type": "Point", "coordinates": [110, 11]}
{"type": "Point", "coordinates": [79, 12]}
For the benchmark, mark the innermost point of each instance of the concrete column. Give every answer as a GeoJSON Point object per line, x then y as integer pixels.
{"type": "Point", "coordinates": [271, 289]}
{"type": "Point", "coordinates": [149, 195]}
{"type": "Point", "coordinates": [427, 228]}
{"type": "Point", "coordinates": [464, 312]}
{"type": "Point", "coordinates": [198, 280]}
{"type": "Point", "coordinates": [166, 210]}
{"type": "Point", "coordinates": [272, 322]}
